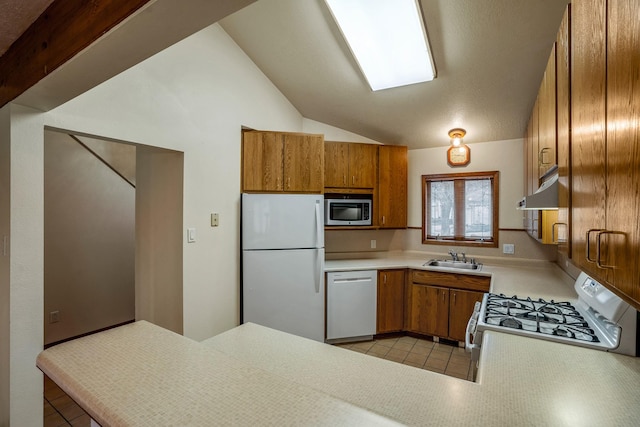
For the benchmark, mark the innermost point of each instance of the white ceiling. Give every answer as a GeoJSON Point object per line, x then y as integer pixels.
{"type": "Point", "coordinates": [490, 56]}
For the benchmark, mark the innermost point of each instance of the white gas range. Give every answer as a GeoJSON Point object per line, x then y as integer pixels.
{"type": "Point", "coordinates": [598, 319]}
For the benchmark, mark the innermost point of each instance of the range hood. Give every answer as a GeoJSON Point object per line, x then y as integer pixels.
{"type": "Point", "coordinates": [545, 197]}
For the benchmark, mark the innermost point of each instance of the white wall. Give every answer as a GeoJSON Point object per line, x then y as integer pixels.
{"type": "Point", "coordinates": [193, 97]}
{"type": "Point", "coordinates": [503, 156]}
{"type": "Point", "coordinates": [5, 283]}
{"type": "Point", "coordinates": [89, 241]}
{"type": "Point", "coordinates": [25, 179]}
{"type": "Point", "coordinates": [332, 133]}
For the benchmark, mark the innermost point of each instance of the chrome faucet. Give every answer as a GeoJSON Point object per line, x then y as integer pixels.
{"type": "Point", "coordinates": [464, 257]}
{"type": "Point", "coordinates": [454, 255]}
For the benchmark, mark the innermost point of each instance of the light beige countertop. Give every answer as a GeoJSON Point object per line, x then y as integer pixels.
{"type": "Point", "coordinates": [535, 279]}
{"type": "Point", "coordinates": [521, 381]}
{"type": "Point", "coordinates": [143, 375]}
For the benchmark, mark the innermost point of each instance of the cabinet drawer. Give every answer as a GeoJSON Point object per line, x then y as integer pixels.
{"type": "Point", "coordinates": [451, 280]}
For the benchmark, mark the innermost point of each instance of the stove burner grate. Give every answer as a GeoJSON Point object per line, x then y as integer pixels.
{"type": "Point", "coordinates": [544, 317]}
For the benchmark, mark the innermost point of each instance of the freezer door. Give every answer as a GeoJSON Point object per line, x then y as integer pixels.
{"type": "Point", "coordinates": [282, 221]}
{"type": "Point", "coordinates": [284, 290]}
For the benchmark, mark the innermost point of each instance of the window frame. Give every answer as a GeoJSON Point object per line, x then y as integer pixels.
{"type": "Point", "coordinates": [459, 181]}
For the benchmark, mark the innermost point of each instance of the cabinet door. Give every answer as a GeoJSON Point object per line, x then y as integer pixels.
{"type": "Point", "coordinates": [461, 305]}
{"type": "Point", "coordinates": [429, 310]}
{"type": "Point", "coordinates": [392, 186]}
{"type": "Point", "coordinates": [562, 227]}
{"type": "Point", "coordinates": [262, 167]}
{"type": "Point", "coordinates": [303, 163]}
{"type": "Point", "coordinates": [336, 164]}
{"type": "Point", "coordinates": [588, 113]}
{"type": "Point", "coordinates": [363, 162]}
{"type": "Point", "coordinates": [390, 301]}
{"type": "Point", "coordinates": [547, 117]}
{"type": "Point", "coordinates": [533, 217]}
{"type": "Point", "coordinates": [621, 248]}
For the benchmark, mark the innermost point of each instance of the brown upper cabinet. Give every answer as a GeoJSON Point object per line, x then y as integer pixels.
{"type": "Point", "coordinates": [282, 162]}
{"type": "Point", "coordinates": [605, 146]}
{"type": "Point", "coordinates": [546, 155]}
{"type": "Point", "coordinates": [350, 165]}
{"type": "Point", "coordinates": [392, 186]}
{"type": "Point", "coordinates": [561, 230]}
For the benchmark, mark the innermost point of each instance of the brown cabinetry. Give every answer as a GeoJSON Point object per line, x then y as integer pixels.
{"type": "Point", "coordinates": [605, 150]}
{"type": "Point", "coordinates": [546, 153]}
{"type": "Point", "coordinates": [282, 162]}
{"type": "Point", "coordinates": [392, 186]}
{"type": "Point", "coordinates": [350, 165]}
{"type": "Point", "coordinates": [440, 304]}
{"type": "Point", "coordinates": [390, 312]}
{"type": "Point", "coordinates": [561, 228]}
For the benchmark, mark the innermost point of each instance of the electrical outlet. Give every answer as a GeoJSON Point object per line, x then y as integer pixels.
{"type": "Point", "coordinates": [508, 248]}
{"type": "Point", "coordinates": [373, 244]}
{"type": "Point", "coordinates": [54, 316]}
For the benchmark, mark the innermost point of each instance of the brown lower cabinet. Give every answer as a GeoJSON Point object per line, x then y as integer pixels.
{"type": "Point", "coordinates": [440, 304]}
{"type": "Point", "coordinates": [391, 299]}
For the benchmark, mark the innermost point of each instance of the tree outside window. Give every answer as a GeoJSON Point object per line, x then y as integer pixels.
{"type": "Point", "coordinates": [460, 209]}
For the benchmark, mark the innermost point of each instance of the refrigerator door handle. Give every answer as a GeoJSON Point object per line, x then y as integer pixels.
{"type": "Point", "coordinates": [319, 223]}
{"type": "Point", "coordinates": [319, 268]}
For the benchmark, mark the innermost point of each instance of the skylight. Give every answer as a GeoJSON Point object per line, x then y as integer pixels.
{"type": "Point", "coordinates": [388, 40]}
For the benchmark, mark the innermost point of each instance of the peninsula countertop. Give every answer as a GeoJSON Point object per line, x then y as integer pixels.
{"type": "Point", "coordinates": [141, 374]}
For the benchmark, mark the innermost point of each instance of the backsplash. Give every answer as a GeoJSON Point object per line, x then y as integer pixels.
{"type": "Point", "coordinates": [359, 241]}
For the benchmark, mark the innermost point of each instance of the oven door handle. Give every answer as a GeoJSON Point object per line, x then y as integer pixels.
{"type": "Point", "coordinates": [471, 328]}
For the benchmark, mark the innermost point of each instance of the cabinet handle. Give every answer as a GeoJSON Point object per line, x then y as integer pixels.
{"type": "Point", "coordinates": [384, 278]}
{"type": "Point", "coordinates": [383, 219]}
{"type": "Point", "coordinates": [443, 296]}
{"type": "Point", "coordinates": [454, 298]}
{"type": "Point", "coordinates": [288, 182]}
{"type": "Point", "coordinates": [553, 232]}
{"type": "Point", "coordinates": [353, 179]}
{"type": "Point", "coordinates": [541, 161]}
{"type": "Point", "coordinates": [344, 179]}
{"type": "Point", "coordinates": [598, 248]}
{"type": "Point", "coordinates": [588, 238]}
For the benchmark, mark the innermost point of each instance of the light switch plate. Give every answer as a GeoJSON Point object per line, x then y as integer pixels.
{"type": "Point", "coordinates": [215, 219]}
{"type": "Point", "coordinates": [508, 248]}
{"type": "Point", "coordinates": [191, 235]}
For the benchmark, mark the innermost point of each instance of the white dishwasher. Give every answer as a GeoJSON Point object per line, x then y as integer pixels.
{"type": "Point", "coordinates": [351, 304]}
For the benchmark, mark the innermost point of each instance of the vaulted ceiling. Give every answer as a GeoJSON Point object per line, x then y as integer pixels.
{"type": "Point", "coordinates": [490, 57]}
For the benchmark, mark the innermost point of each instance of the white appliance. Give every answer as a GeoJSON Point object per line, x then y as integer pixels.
{"type": "Point", "coordinates": [283, 262]}
{"type": "Point", "coordinates": [599, 319]}
{"type": "Point", "coordinates": [351, 304]}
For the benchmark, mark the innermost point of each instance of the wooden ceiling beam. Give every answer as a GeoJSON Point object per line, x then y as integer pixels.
{"type": "Point", "coordinates": [63, 30]}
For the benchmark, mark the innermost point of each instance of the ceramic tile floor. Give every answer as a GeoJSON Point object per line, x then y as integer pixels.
{"type": "Point", "coordinates": [59, 409]}
{"type": "Point", "coordinates": [425, 354]}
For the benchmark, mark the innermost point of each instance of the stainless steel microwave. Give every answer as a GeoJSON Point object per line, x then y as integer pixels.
{"type": "Point", "coordinates": [347, 212]}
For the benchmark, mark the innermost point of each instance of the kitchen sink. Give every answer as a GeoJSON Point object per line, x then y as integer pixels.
{"type": "Point", "coordinates": [453, 264]}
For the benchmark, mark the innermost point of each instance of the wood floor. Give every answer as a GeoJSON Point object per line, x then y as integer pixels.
{"type": "Point", "coordinates": [61, 410]}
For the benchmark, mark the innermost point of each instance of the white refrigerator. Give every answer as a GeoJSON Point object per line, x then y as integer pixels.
{"type": "Point", "coordinates": [283, 262]}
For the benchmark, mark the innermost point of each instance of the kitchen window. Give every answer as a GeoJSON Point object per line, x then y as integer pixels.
{"type": "Point", "coordinates": [460, 209]}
